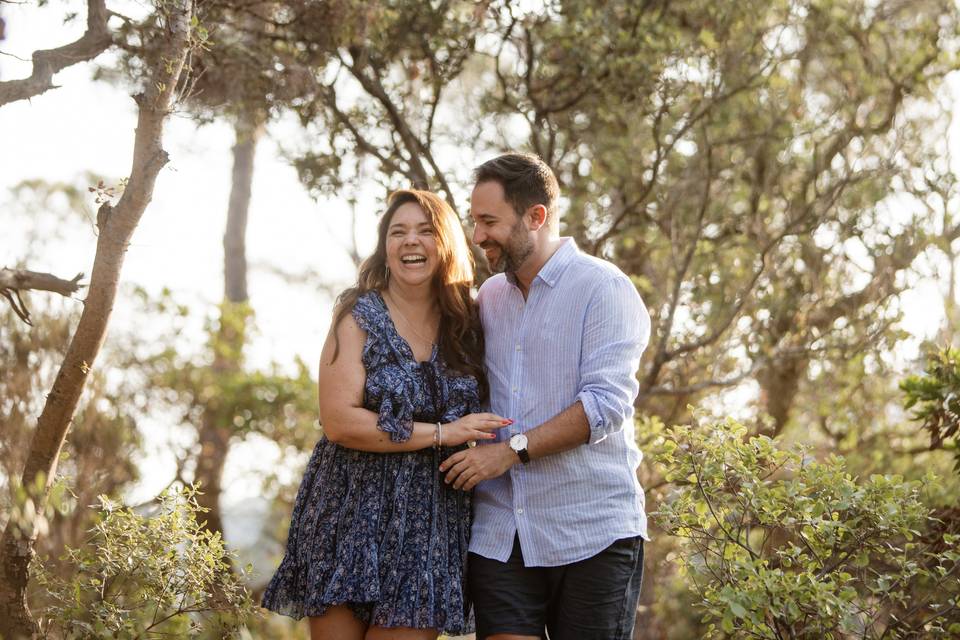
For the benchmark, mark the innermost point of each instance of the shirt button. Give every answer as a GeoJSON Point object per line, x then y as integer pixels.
{"type": "Point", "coordinates": [515, 389]}
{"type": "Point", "coordinates": [520, 511]}
{"type": "Point", "coordinates": [518, 346]}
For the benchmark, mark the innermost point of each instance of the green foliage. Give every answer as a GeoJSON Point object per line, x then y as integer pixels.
{"type": "Point", "coordinates": [31, 508]}
{"type": "Point", "coordinates": [142, 576]}
{"type": "Point", "coordinates": [935, 399]}
{"type": "Point", "coordinates": [214, 381]}
{"type": "Point", "coordinates": [778, 545]}
{"type": "Point", "coordinates": [98, 457]}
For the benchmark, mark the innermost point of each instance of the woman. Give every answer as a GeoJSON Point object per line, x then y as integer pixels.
{"type": "Point", "coordinates": [377, 541]}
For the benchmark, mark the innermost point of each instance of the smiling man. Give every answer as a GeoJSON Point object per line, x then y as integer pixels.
{"type": "Point", "coordinates": [559, 523]}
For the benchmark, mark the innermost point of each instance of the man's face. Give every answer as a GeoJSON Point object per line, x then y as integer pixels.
{"type": "Point", "coordinates": [498, 229]}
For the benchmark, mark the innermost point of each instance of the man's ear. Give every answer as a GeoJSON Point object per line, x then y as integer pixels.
{"type": "Point", "coordinates": [538, 216]}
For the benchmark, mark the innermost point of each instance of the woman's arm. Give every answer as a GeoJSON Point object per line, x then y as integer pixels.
{"type": "Point", "coordinates": [347, 423]}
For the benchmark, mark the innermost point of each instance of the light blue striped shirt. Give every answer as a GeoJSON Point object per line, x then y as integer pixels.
{"type": "Point", "coordinates": [578, 337]}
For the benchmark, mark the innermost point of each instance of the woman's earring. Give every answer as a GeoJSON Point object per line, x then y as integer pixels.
{"type": "Point", "coordinates": [386, 272]}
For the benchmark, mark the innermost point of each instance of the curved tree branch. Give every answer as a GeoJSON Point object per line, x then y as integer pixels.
{"type": "Point", "coordinates": [47, 62]}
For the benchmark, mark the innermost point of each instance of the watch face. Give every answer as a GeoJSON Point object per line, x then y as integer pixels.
{"type": "Point", "coordinates": [518, 442]}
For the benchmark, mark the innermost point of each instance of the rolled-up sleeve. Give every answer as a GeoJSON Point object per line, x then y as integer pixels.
{"type": "Point", "coordinates": [616, 332]}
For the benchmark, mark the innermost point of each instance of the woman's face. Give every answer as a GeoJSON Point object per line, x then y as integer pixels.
{"type": "Point", "coordinates": [411, 246]}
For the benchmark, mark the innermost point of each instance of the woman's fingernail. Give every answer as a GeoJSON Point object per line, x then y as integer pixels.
{"type": "Point", "coordinates": [506, 422]}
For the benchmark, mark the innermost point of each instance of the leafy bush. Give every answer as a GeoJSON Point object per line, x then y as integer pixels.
{"type": "Point", "coordinates": [146, 576]}
{"type": "Point", "coordinates": [781, 546]}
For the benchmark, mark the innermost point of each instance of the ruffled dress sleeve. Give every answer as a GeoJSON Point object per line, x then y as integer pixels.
{"type": "Point", "coordinates": [390, 387]}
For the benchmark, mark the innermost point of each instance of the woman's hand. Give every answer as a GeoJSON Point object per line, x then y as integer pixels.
{"type": "Point", "coordinates": [473, 426]}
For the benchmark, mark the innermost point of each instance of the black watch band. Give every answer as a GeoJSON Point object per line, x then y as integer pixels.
{"type": "Point", "coordinates": [518, 444]}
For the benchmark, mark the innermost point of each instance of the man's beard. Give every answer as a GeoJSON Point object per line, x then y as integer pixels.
{"type": "Point", "coordinates": [512, 255]}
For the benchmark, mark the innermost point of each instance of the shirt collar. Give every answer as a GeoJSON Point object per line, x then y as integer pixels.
{"type": "Point", "coordinates": [550, 272]}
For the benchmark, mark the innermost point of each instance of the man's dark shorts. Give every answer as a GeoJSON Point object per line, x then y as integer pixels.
{"type": "Point", "coordinates": [594, 599]}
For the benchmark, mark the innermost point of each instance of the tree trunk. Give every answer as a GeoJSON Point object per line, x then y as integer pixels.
{"type": "Point", "coordinates": [116, 226]}
{"type": "Point", "coordinates": [779, 384]}
{"type": "Point", "coordinates": [216, 424]}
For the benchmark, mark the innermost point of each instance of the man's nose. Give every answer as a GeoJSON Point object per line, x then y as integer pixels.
{"type": "Point", "coordinates": [478, 236]}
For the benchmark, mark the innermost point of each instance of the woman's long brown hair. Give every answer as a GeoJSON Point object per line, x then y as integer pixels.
{"type": "Point", "coordinates": [460, 334]}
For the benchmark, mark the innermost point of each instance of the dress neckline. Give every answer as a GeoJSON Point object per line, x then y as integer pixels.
{"type": "Point", "coordinates": [413, 358]}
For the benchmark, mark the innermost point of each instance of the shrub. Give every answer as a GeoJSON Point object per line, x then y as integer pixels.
{"type": "Point", "coordinates": [146, 576]}
{"type": "Point", "coordinates": [778, 545]}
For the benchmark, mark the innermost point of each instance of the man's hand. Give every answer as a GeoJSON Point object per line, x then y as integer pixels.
{"type": "Point", "coordinates": [466, 468]}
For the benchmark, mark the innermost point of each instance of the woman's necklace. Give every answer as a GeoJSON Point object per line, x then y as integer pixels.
{"type": "Point", "coordinates": [407, 322]}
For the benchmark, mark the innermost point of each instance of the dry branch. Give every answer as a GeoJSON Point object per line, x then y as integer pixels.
{"type": "Point", "coordinates": [47, 62]}
{"type": "Point", "coordinates": [23, 280]}
{"type": "Point", "coordinates": [13, 281]}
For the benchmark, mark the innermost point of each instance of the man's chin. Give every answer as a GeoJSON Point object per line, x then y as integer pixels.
{"type": "Point", "coordinates": [498, 266]}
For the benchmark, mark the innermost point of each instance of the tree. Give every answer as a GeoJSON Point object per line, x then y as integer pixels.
{"type": "Point", "coordinates": [741, 164]}
{"type": "Point", "coordinates": [162, 86]}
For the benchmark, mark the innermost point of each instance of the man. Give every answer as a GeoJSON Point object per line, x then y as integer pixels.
{"type": "Point", "coordinates": [559, 523]}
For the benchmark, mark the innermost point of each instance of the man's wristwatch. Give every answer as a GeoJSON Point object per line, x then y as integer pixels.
{"type": "Point", "coordinates": [519, 445]}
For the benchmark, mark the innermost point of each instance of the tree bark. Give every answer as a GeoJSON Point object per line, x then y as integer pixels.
{"type": "Point", "coordinates": [216, 425]}
{"type": "Point", "coordinates": [779, 385]}
{"type": "Point", "coordinates": [116, 226]}
{"type": "Point", "coordinates": [47, 62]}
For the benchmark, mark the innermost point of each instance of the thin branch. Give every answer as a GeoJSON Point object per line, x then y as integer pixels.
{"type": "Point", "coordinates": [14, 281]}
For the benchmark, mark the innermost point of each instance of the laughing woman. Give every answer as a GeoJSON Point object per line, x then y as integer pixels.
{"type": "Point", "coordinates": [377, 542]}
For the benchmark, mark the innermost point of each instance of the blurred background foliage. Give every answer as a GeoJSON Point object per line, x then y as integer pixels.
{"type": "Point", "coordinates": [772, 175]}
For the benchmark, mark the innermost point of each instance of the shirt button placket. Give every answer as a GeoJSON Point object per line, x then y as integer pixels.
{"type": "Point", "coordinates": [515, 404]}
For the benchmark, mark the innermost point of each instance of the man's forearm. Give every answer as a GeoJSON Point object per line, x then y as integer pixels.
{"type": "Point", "coordinates": [566, 430]}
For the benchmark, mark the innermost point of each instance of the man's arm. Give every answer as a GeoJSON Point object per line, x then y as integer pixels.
{"type": "Point", "coordinates": [566, 430]}
{"type": "Point", "coordinates": [616, 331]}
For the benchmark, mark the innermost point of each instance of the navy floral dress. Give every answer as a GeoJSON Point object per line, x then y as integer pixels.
{"type": "Point", "coordinates": [381, 532]}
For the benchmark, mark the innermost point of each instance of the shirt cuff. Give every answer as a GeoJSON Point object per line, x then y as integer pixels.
{"type": "Point", "coordinates": [598, 431]}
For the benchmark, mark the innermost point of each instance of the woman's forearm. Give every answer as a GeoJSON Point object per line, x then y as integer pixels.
{"type": "Point", "coordinates": [356, 428]}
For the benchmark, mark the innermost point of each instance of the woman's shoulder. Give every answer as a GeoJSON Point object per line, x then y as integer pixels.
{"type": "Point", "coordinates": [369, 311]}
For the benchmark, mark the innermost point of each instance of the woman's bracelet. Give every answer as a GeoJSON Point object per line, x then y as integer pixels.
{"type": "Point", "coordinates": [439, 435]}
{"type": "Point", "coordinates": [436, 436]}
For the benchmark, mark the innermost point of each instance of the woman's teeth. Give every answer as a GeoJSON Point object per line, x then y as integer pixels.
{"type": "Point", "coordinates": [413, 259]}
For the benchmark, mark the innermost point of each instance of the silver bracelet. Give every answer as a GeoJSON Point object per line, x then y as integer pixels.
{"type": "Point", "coordinates": [439, 435]}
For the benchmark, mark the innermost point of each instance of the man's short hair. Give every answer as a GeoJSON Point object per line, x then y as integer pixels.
{"type": "Point", "coordinates": [526, 180]}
